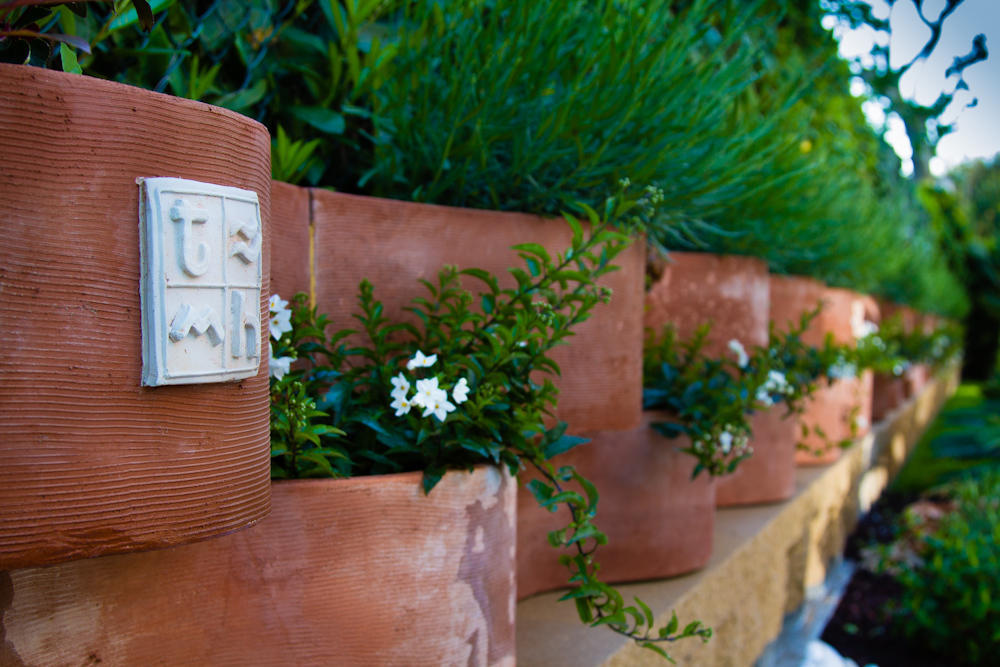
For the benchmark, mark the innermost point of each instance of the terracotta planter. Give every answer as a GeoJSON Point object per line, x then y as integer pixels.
{"type": "Point", "coordinates": [889, 393]}
{"type": "Point", "coordinates": [733, 293]}
{"type": "Point", "coordinates": [658, 520]}
{"type": "Point", "coordinates": [91, 462]}
{"type": "Point", "coordinates": [395, 243]}
{"type": "Point", "coordinates": [729, 291]}
{"type": "Point", "coordinates": [363, 571]}
{"type": "Point", "coordinates": [915, 378]}
{"type": "Point", "coordinates": [892, 391]}
{"type": "Point", "coordinates": [793, 296]}
{"type": "Point", "coordinates": [839, 411]}
{"type": "Point", "coordinates": [769, 474]}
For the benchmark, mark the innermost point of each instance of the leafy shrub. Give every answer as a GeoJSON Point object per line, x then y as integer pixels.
{"type": "Point", "coordinates": [474, 361]}
{"type": "Point", "coordinates": [950, 602]}
{"type": "Point", "coordinates": [709, 399]}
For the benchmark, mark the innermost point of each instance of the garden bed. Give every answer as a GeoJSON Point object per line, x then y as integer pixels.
{"type": "Point", "coordinates": [796, 539]}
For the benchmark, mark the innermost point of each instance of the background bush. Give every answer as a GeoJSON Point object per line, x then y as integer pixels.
{"type": "Point", "coordinates": [950, 603]}
{"type": "Point", "coordinates": [736, 114]}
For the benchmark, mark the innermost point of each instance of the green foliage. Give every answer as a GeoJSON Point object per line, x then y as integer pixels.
{"type": "Point", "coordinates": [475, 361]}
{"type": "Point", "coordinates": [949, 602]}
{"type": "Point", "coordinates": [533, 106]}
{"type": "Point", "coordinates": [42, 32]}
{"type": "Point", "coordinates": [306, 66]}
{"type": "Point", "coordinates": [929, 465]}
{"type": "Point", "coordinates": [710, 399]}
{"type": "Point", "coordinates": [893, 348]}
{"type": "Point", "coordinates": [707, 398]}
{"type": "Point", "coordinates": [303, 443]}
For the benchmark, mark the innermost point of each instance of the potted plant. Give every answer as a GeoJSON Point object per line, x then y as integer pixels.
{"type": "Point", "coordinates": [732, 293]}
{"type": "Point", "coordinates": [91, 461]}
{"type": "Point", "coordinates": [407, 402]}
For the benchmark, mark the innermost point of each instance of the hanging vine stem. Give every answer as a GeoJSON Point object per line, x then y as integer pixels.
{"type": "Point", "coordinates": [598, 603]}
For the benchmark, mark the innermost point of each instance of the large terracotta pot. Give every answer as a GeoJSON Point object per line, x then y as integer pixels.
{"type": "Point", "coordinates": [729, 291]}
{"type": "Point", "coordinates": [395, 243]}
{"type": "Point", "coordinates": [838, 412]}
{"type": "Point", "coordinates": [363, 571]}
{"type": "Point", "coordinates": [732, 293]}
{"type": "Point", "coordinates": [91, 462]}
{"type": "Point", "coordinates": [658, 520]}
{"type": "Point", "coordinates": [896, 389]}
{"type": "Point", "coordinates": [769, 474]}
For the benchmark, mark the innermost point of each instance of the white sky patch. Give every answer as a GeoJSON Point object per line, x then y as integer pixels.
{"type": "Point", "coordinates": [895, 136]}
{"type": "Point", "coordinates": [977, 130]}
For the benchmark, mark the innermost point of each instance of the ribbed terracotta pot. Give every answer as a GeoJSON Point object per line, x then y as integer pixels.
{"type": "Point", "coordinates": [730, 291]}
{"type": "Point", "coordinates": [394, 244]}
{"type": "Point", "coordinates": [733, 293]}
{"type": "Point", "coordinates": [889, 393]}
{"type": "Point", "coordinates": [892, 391]}
{"type": "Point", "coordinates": [363, 571]}
{"type": "Point", "coordinates": [91, 462]}
{"type": "Point", "coordinates": [769, 474]}
{"type": "Point", "coordinates": [658, 520]}
{"type": "Point", "coordinates": [916, 378]}
{"type": "Point", "coordinates": [840, 411]}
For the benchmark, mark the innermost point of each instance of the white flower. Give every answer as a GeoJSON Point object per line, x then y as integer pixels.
{"type": "Point", "coordinates": [276, 303]}
{"type": "Point", "coordinates": [726, 441]}
{"type": "Point", "coordinates": [860, 422]}
{"type": "Point", "coordinates": [842, 369]}
{"type": "Point", "coordinates": [429, 393]}
{"type": "Point", "coordinates": [281, 316]}
{"type": "Point", "coordinates": [279, 365]}
{"type": "Point", "coordinates": [741, 354]}
{"type": "Point", "coordinates": [420, 361]}
{"type": "Point", "coordinates": [460, 392]}
{"type": "Point", "coordinates": [400, 386]}
{"type": "Point", "coordinates": [862, 328]}
{"type": "Point", "coordinates": [400, 404]}
{"type": "Point", "coordinates": [764, 397]}
{"type": "Point", "coordinates": [439, 407]}
{"type": "Point", "coordinates": [776, 383]}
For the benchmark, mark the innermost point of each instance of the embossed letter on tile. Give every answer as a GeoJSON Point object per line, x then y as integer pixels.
{"type": "Point", "coordinates": [201, 275]}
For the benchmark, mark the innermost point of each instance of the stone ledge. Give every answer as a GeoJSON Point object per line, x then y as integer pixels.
{"type": "Point", "coordinates": [765, 557]}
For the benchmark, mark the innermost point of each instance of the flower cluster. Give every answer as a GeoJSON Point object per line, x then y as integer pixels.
{"type": "Point", "coordinates": [742, 358]}
{"type": "Point", "coordinates": [281, 323]}
{"type": "Point", "coordinates": [776, 384]}
{"type": "Point", "coordinates": [842, 369]}
{"type": "Point", "coordinates": [726, 443]}
{"type": "Point", "coordinates": [429, 395]}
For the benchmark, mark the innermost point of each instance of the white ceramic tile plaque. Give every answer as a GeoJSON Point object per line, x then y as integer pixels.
{"type": "Point", "coordinates": [201, 275]}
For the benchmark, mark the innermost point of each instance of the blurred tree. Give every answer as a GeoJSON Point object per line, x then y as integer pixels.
{"type": "Point", "coordinates": [967, 220]}
{"type": "Point", "coordinates": [922, 123]}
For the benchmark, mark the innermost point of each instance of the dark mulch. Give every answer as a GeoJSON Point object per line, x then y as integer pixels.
{"type": "Point", "coordinates": [859, 628]}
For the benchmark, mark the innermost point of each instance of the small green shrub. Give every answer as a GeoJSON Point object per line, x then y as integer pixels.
{"type": "Point", "coordinates": [950, 602]}
{"type": "Point", "coordinates": [709, 400]}
{"type": "Point", "coordinates": [478, 364]}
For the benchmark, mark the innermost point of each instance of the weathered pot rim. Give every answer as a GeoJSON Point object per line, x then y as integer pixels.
{"type": "Point", "coordinates": [94, 83]}
{"type": "Point", "coordinates": [730, 257]}
{"type": "Point", "coordinates": [364, 480]}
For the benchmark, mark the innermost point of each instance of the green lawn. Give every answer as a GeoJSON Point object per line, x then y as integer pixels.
{"type": "Point", "coordinates": [965, 434]}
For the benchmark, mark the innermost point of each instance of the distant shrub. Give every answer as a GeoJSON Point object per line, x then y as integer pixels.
{"type": "Point", "coordinates": [950, 602]}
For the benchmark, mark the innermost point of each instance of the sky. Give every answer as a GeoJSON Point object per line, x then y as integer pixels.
{"type": "Point", "coordinates": [977, 129]}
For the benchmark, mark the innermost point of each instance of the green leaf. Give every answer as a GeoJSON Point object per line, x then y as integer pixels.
{"type": "Point", "coordinates": [432, 475]}
{"type": "Point", "coordinates": [655, 648]}
{"type": "Point", "coordinates": [562, 445]}
{"type": "Point", "coordinates": [131, 16]}
{"type": "Point", "coordinates": [321, 118]}
{"type": "Point", "coordinates": [647, 612]}
{"type": "Point", "coordinates": [69, 61]}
